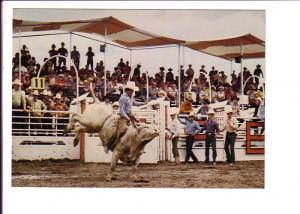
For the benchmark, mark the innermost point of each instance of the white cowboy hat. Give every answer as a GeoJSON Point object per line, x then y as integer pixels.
{"type": "Point", "coordinates": [29, 88]}
{"type": "Point", "coordinates": [131, 85]}
{"type": "Point", "coordinates": [49, 93]}
{"type": "Point", "coordinates": [173, 111]}
{"type": "Point", "coordinates": [17, 82]}
{"type": "Point", "coordinates": [58, 96]}
{"type": "Point", "coordinates": [116, 104]}
{"type": "Point", "coordinates": [35, 92]}
{"type": "Point", "coordinates": [192, 114]}
{"type": "Point", "coordinates": [211, 111]}
{"type": "Point", "coordinates": [229, 110]}
{"type": "Point", "coordinates": [162, 92]}
{"type": "Point", "coordinates": [45, 92]}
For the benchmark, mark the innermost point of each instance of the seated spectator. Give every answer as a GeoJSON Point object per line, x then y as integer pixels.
{"type": "Point", "coordinates": [153, 90]}
{"type": "Point", "coordinates": [203, 93]}
{"type": "Point", "coordinates": [229, 94]}
{"type": "Point", "coordinates": [258, 102]}
{"type": "Point", "coordinates": [173, 92]}
{"type": "Point", "coordinates": [187, 106]}
{"type": "Point", "coordinates": [204, 108]}
{"type": "Point", "coordinates": [221, 94]}
{"type": "Point", "coordinates": [15, 60]}
{"type": "Point", "coordinates": [235, 106]}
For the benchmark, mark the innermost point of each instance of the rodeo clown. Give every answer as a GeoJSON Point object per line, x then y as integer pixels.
{"type": "Point", "coordinates": [126, 101]}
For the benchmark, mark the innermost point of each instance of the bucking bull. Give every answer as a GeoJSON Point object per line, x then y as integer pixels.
{"type": "Point", "coordinates": [97, 118]}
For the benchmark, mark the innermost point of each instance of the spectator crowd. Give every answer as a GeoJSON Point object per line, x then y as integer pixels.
{"type": "Point", "coordinates": [60, 82]}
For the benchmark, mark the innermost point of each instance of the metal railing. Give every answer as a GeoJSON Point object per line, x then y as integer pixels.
{"type": "Point", "coordinates": [26, 123]}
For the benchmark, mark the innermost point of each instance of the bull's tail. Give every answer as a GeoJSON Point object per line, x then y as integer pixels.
{"type": "Point", "coordinates": [93, 94]}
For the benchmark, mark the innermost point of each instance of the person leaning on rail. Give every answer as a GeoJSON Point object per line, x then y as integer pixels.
{"type": "Point", "coordinates": [18, 103]}
{"type": "Point", "coordinates": [173, 128]}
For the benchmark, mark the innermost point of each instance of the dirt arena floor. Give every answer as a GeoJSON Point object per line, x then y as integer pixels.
{"type": "Point", "coordinates": [66, 173]}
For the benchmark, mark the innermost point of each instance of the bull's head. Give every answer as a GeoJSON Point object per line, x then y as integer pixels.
{"type": "Point", "coordinates": [146, 133]}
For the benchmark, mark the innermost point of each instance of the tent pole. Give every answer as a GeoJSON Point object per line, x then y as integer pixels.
{"type": "Point", "coordinates": [20, 54]}
{"type": "Point", "coordinates": [129, 76]}
{"type": "Point", "coordinates": [70, 50]}
{"type": "Point", "coordinates": [242, 76]}
{"type": "Point", "coordinates": [179, 77]}
{"type": "Point", "coordinates": [105, 69]}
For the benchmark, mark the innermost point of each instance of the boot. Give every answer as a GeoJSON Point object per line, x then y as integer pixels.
{"type": "Point", "coordinates": [177, 160]}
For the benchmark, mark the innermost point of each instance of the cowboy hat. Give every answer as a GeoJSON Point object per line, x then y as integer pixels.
{"type": "Point", "coordinates": [162, 92]}
{"type": "Point", "coordinates": [228, 110]}
{"type": "Point", "coordinates": [45, 92]}
{"type": "Point", "coordinates": [17, 82]}
{"type": "Point", "coordinates": [49, 93]}
{"type": "Point", "coordinates": [29, 88]}
{"type": "Point", "coordinates": [57, 96]}
{"type": "Point", "coordinates": [192, 114]}
{"type": "Point", "coordinates": [173, 111]}
{"type": "Point", "coordinates": [170, 69]}
{"type": "Point", "coordinates": [211, 111]}
{"type": "Point", "coordinates": [258, 65]}
{"type": "Point", "coordinates": [131, 85]}
{"type": "Point", "coordinates": [161, 68]}
{"type": "Point", "coordinates": [116, 104]}
{"type": "Point", "coordinates": [35, 92]}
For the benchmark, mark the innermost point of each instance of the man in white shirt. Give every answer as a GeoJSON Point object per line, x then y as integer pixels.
{"type": "Point", "coordinates": [37, 105]}
{"type": "Point", "coordinates": [231, 125]}
{"type": "Point", "coordinates": [173, 128]}
{"type": "Point", "coordinates": [18, 103]}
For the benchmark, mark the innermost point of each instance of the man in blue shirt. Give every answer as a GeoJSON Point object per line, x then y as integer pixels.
{"type": "Point", "coordinates": [192, 128]}
{"type": "Point", "coordinates": [211, 128]}
{"type": "Point", "coordinates": [126, 101]}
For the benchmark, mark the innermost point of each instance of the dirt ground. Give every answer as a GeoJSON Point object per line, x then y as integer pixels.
{"type": "Point", "coordinates": [66, 173]}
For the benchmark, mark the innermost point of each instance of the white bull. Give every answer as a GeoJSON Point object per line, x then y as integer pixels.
{"type": "Point", "coordinates": [97, 118]}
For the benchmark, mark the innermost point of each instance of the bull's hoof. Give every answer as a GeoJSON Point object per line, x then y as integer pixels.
{"type": "Point", "coordinates": [109, 177]}
{"type": "Point", "coordinates": [139, 179]}
{"type": "Point", "coordinates": [75, 142]}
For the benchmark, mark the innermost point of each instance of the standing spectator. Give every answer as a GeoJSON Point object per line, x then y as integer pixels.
{"type": "Point", "coordinates": [170, 76]}
{"type": "Point", "coordinates": [29, 97]}
{"type": "Point", "coordinates": [173, 128]}
{"type": "Point", "coordinates": [161, 73]}
{"type": "Point", "coordinates": [90, 54]}
{"type": "Point", "coordinates": [213, 76]}
{"type": "Point", "coordinates": [202, 73]}
{"type": "Point", "coordinates": [63, 52]}
{"type": "Point", "coordinates": [53, 52]}
{"type": "Point", "coordinates": [231, 126]}
{"type": "Point", "coordinates": [16, 60]}
{"type": "Point", "coordinates": [137, 71]}
{"type": "Point", "coordinates": [192, 128]}
{"type": "Point", "coordinates": [24, 56]}
{"type": "Point", "coordinates": [202, 69]}
{"type": "Point", "coordinates": [37, 105]}
{"type": "Point", "coordinates": [211, 128]}
{"type": "Point", "coordinates": [258, 72]}
{"type": "Point", "coordinates": [59, 105]}
{"type": "Point", "coordinates": [121, 64]}
{"type": "Point", "coordinates": [18, 102]}
{"type": "Point", "coordinates": [190, 72]}
{"type": "Point", "coordinates": [126, 70]}
{"type": "Point", "coordinates": [75, 56]}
